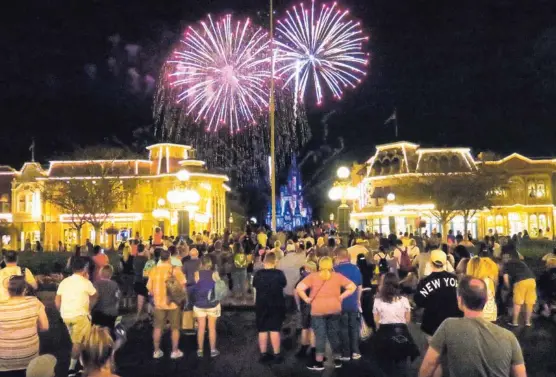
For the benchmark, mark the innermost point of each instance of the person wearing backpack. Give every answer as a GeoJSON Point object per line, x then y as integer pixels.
{"type": "Point", "coordinates": [401, 254]}
{"type": "Point", "coordinates": [239, 272]}
{"type": "Point", "coordinates": [381, 263]}
{"type": "Point", "coordinates": [164, 285]}
{"type": "Point", "coordinates": [206, 305]}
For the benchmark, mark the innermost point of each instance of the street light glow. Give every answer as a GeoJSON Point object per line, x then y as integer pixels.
{"type": "Point", "coordinates": [343, 172]}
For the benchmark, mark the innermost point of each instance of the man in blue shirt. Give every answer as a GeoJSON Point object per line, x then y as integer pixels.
{"type": "Point", "coordinates": [351, 307]}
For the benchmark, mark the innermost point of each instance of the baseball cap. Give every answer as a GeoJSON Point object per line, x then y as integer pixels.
{"type": "Point", "coordinates": [41, 366]}
{"type": "Point", "coordinates": [438, 258]}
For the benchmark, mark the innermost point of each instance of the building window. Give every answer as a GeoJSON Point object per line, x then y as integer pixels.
{"type": "Point", "coordinates": [499, 224]}
{"type": "Point", "coordinates": [4, 204]}
{"type": "Point", "coordinates": [536, 189]}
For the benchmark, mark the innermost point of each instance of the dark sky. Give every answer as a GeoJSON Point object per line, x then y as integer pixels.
{"type": "Point", "coordinates": [473, 73]}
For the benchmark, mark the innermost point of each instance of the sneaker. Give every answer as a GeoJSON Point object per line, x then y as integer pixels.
{"type": "Point", "coordinates": [528, 325]}
{"type": "Point", "coordinates": [74, 373]}
{"type": "Point", "coordinates": [355, 356]}
{"type": "Point", "coordinates": [278, 359]}
{"type": "Point", "coordinates": [337, 363]}
{"type": "Point", "coordinates": [513, 324]}
{"type": "Point", "coordinates": [176, 355]}
{"type": "Point", "coordinates": [344, 358]}
{"type": "Point", "coordinates": [266, 358]}
{"type": "Point", "coordinates": [316, 365]}
{"type": "Point", "coordinates": [158, 354]}
{"type": "Point", "coordinates": [199, 353]}
{"type": "Point", "coordinates": [214, 353]}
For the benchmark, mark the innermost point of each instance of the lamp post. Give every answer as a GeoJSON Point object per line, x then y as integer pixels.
{"type": "Point", "coordinates": [185, 199]}
{"type": "Point", "coordinates": [343, 191]}
{"type": "Point", "coordinates": [331, 220]}
{"type": "Point", "coordinates": [231, 222]}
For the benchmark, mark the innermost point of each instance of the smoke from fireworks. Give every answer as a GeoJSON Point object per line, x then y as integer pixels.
{"type": "Point", "coordinates": [221, 72]}
{"type": "Point", "coordinates": [323, 46]}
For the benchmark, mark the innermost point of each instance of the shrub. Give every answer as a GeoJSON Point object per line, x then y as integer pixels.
{"type": "Point", "coordinates": [49, 262]}
{"type": "Point", "coordinates": [535, 249]}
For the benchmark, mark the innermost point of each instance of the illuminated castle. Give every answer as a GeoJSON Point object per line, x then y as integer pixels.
{"type": "Point", "coordinates": [291, 209]}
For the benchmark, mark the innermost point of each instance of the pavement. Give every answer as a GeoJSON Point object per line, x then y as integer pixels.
{"type": "Point", "coordinates": [237, 342]}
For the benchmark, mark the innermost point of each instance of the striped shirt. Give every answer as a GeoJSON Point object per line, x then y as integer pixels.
{"type": "Point", "coordinates": [157, 284]}
{"type": "Point", "coordinates": [19, 340]}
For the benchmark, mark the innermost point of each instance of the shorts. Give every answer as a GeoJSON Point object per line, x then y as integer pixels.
{"type": "Point", "coordinates": [104, 320]}
{"type": "Point", "coordinates": [207, 312]}
{"type": "Point", "coordinates": [525, 292]}
{"type": "Point", "coordinates": [140, 289]}
{"type": "Point", "coordinates": [172, 316]}
{"type": "Point", "coordinates": [78, 328]}
{"type": "Point", "coordinates": [270, 319]}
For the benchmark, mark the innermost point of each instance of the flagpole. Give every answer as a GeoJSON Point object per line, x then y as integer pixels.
{"type": "Point", "coordinates": [396, 124]}
{"type": "Point", "coordinates": [271, 122]}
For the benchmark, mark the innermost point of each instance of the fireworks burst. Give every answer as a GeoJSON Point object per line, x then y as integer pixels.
{"type": "Point", "coordinates": [323, 46]}
{"type": "Point", "coordinates": [222, 71]}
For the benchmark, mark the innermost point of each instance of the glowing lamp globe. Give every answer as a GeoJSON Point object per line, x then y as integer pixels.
{"type": "Point", "coordinates": [191, 196]}
{"type": "Point", "coordinates": [161, 202]}
{"type": "Point", "coordinates": [183, 175]}
{"type": "Point", "coordinates": [335, 193]}
{"type": "Point", "coordinates": [343, 172]}
{"type": "Point", "coordinates": [391, 197]}
{"type": "Point", "coordinates": [174, 197]}
{"type": "Point", "coordinates": [351, 193]}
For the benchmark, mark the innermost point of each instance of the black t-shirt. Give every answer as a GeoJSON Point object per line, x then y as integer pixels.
{"type": "Point", "coordinates": [138, 265]}
{"type": "Point", "coordinates": [269, 284]}
{"type": "Point", "coordinates": [518, 271]}
{"type": "Point", "coordinates": [437, 293]}
{"type": "Point", "coordinates": [547, 284]}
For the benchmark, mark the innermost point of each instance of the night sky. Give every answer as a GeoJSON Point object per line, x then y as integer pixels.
{"type": "Point", "coordinates": [470, 73]}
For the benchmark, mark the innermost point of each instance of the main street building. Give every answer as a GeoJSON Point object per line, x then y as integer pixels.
{"type": "Point", "coordinates": [172, 190]}
{"type": "Point", "coordinates": [527, 202]}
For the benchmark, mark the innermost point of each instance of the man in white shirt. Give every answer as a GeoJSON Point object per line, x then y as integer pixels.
{"type": "Point", "coordinates": [75, 298]}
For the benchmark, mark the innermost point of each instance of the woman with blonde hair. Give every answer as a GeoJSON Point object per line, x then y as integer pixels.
{"type": "Point", "coordinates": [325, 299]}
{"type": "Point", "coordinates": [97, 353]}
{"type": "Point", "coordinates": [484, 268]}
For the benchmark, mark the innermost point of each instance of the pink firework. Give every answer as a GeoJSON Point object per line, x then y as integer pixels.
{"type": "Point", "coordinates": [324, 46]}
{"type": "Point", "coordinates": [222, 70]}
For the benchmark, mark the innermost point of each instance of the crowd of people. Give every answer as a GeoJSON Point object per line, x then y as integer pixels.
{"type": "Point", "coordinates": [341, 290]}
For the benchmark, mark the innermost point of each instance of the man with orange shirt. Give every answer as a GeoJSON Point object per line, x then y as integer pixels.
{"type": "Point", "coordinates": [99, 260]}
{"type": "Point", "coordinates": [165, 311]}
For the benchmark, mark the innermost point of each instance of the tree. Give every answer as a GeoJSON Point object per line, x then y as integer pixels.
{"type": "Point", "coordinates": [94, 189]}
{"type": "Point", "coordinates": [453, 194]}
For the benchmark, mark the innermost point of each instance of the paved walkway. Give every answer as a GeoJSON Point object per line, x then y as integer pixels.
{"type": "Point", "coordinates": [237, 341]}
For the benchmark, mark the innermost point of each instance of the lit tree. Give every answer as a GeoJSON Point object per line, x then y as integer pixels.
{"type": "Point", "coordinates": [101, 193]}
{"type": "Point", "coordinates": [453, 194]}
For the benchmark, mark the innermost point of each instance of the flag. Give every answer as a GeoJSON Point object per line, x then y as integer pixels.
{"type": "Point", "coordinates": [32, 146]}
{"type": "Point", "coordinates": [391, 118]}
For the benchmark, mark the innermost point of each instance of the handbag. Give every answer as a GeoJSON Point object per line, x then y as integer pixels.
{"type": "Point", "coordinates": [187, 320]}
{"type": "Point", "coordinates": [365, 331]}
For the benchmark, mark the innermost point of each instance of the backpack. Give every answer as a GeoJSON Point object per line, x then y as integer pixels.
{"type": "Point", "coordinates": [405, 261]}
{"type": "Point", "coordinates": [174, 290]}
{"type": "Point", "coordinates": [221, 290]}
{"type": "Point", "coordinates": [240, 260]}
{"type": "Point", "coordinates": [383, 266]}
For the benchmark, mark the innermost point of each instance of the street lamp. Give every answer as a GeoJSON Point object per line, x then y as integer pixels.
{"type": "Point", "coordinates": [343, 172]}
{"type": "Point", "coordinates": [391, 197]}
{"type": "Point", "coordinates": [343, 191]}
{"type": "Point", "coordinates": [231, 221]}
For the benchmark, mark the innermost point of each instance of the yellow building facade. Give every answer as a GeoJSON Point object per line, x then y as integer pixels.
{"type": "Point", "coordinates": [525, 203]}
{"type": "Point", "coordinates": [172, 190]}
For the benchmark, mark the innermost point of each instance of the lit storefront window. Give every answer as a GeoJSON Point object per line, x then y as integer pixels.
{"type": "Point", "coordinates": [516, 224]}
{"type": "Point", "coordinates": [500, 229]}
